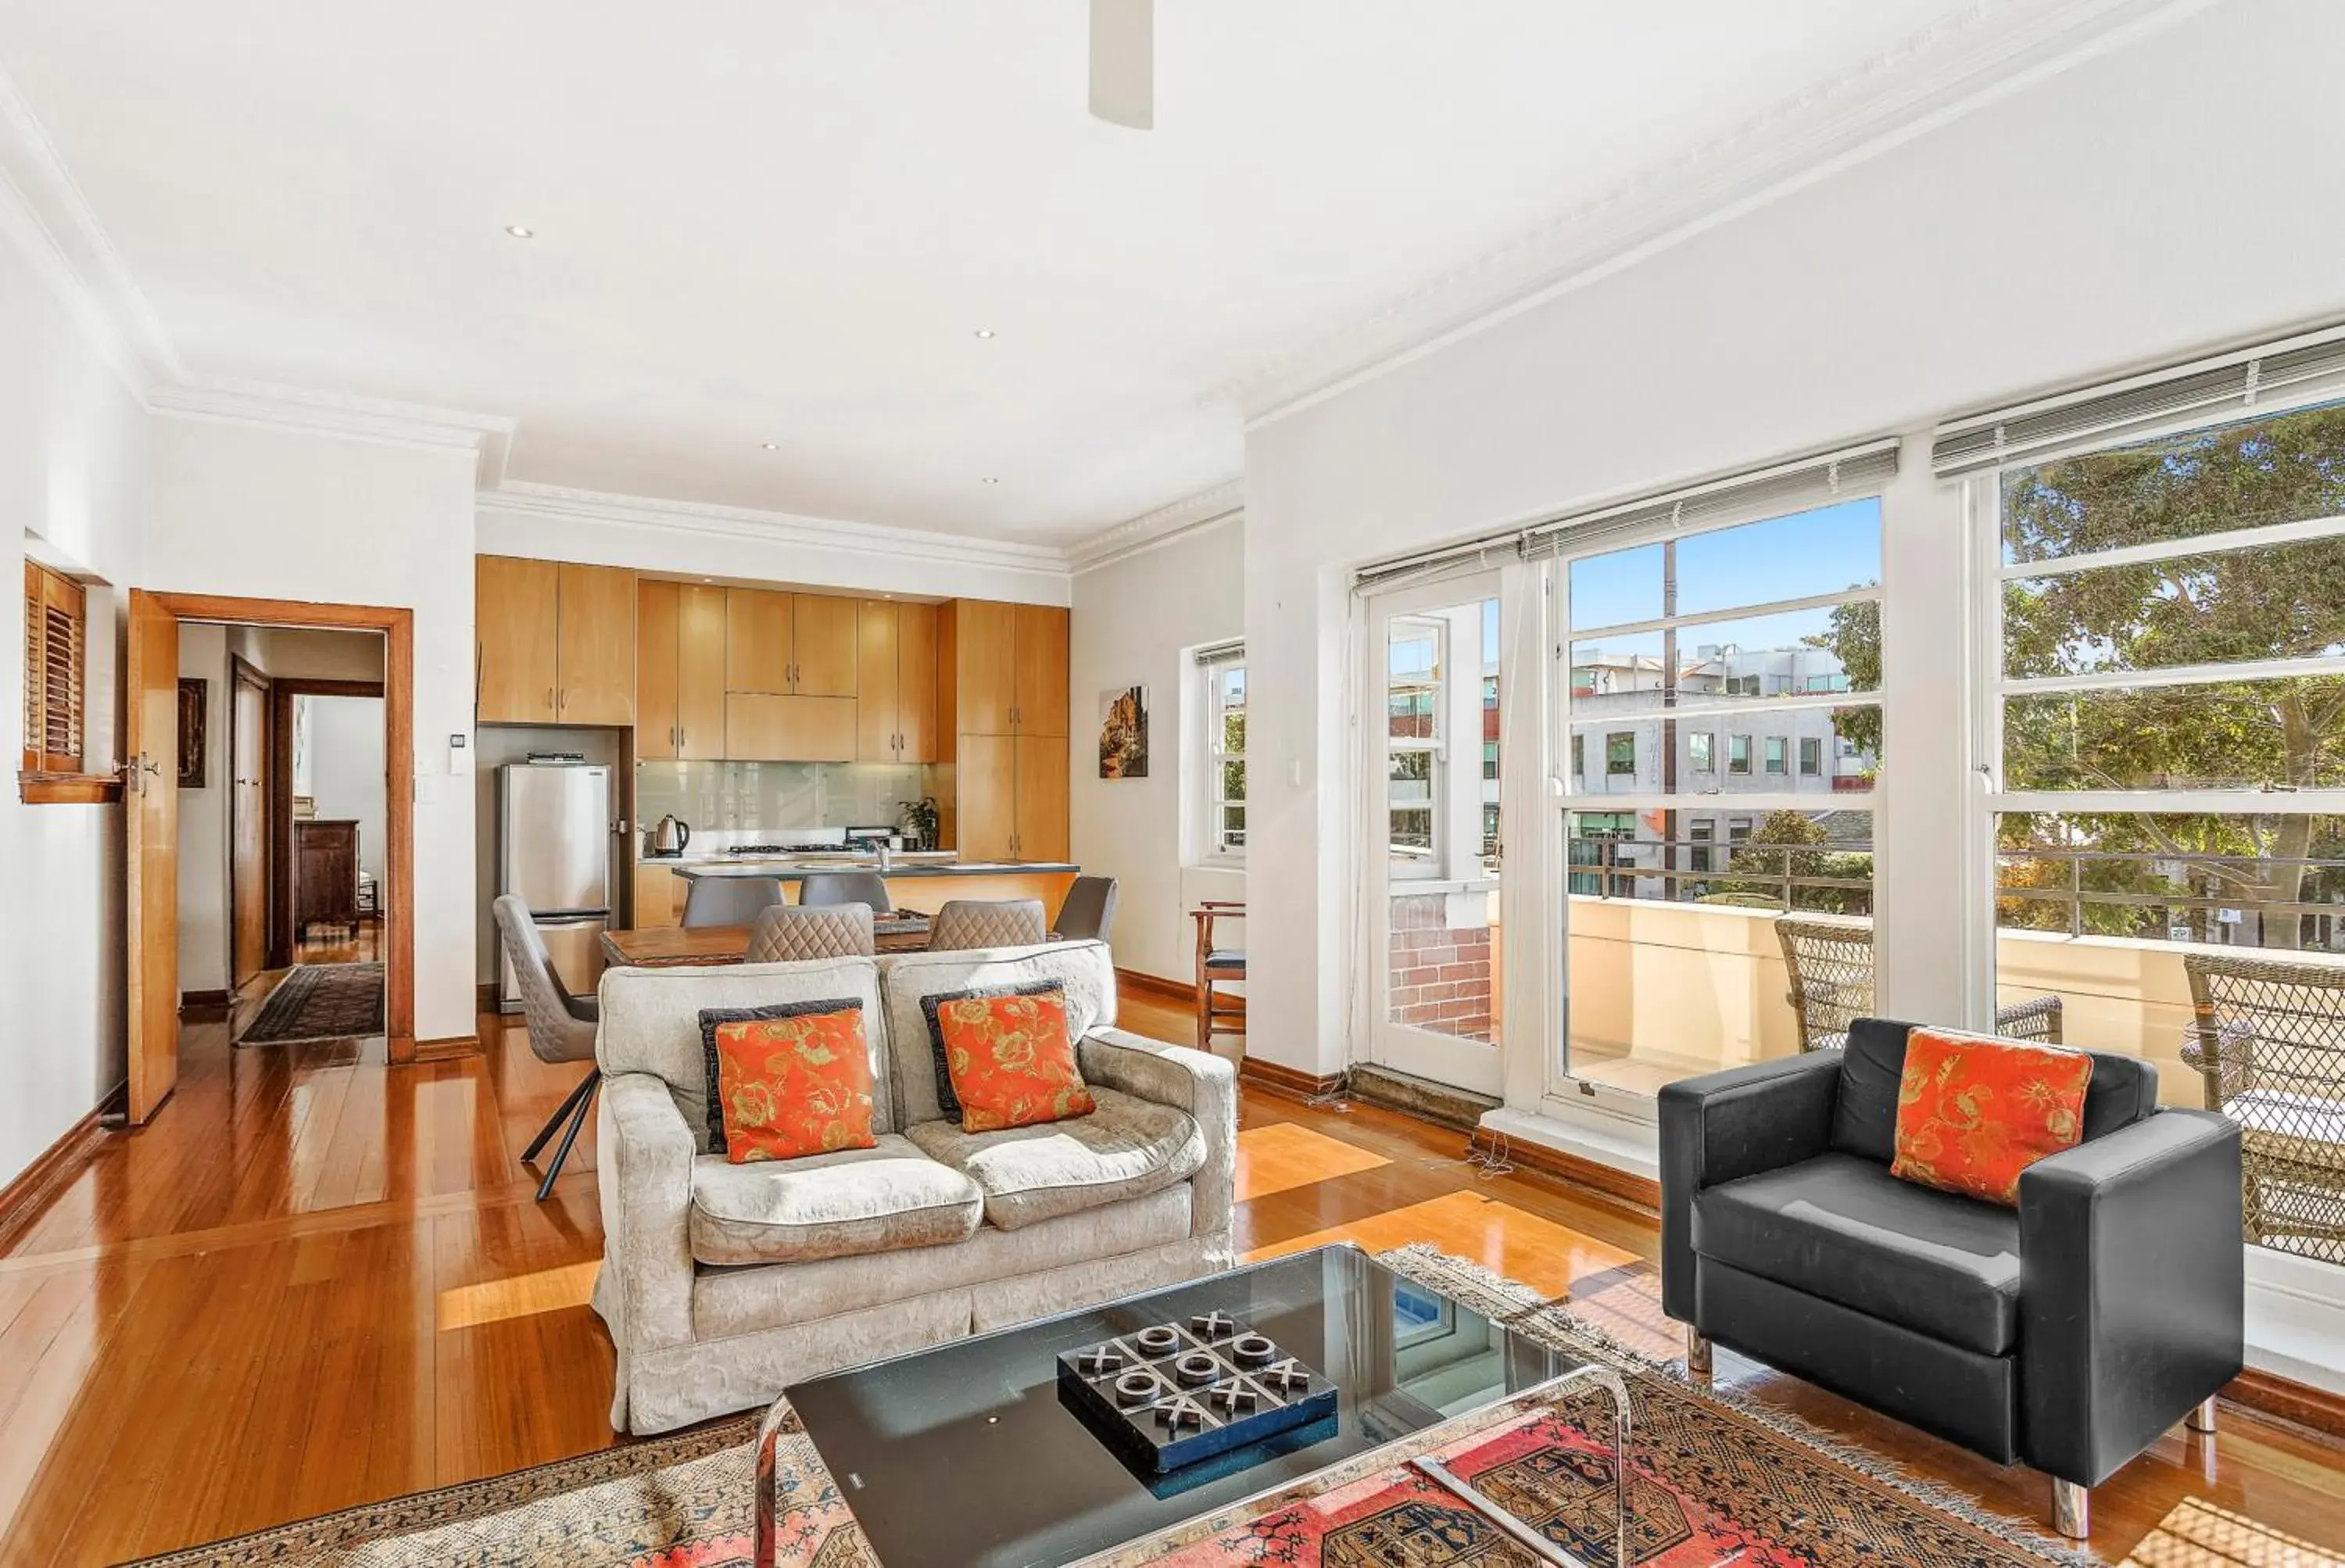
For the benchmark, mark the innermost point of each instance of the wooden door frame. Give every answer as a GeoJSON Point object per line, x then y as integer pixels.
{"type": "Point", "coordinates": [243, 672]}
{"type": "Point", "coordinates": [282, 938]}
{"type": "Point", "coordinates": [398, 692]}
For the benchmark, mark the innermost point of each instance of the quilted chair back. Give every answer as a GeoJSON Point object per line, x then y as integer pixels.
{"type": "Point", "coordinates": [821, 890]}
{"type": "Point", "coordinates": [554, 1033]}
{"type": "Point", "coordinates": [790, 932]}
{"type": "Point", "coordinates": [966, 924]}
{"type": "Point", "coordinates": [730, 901]}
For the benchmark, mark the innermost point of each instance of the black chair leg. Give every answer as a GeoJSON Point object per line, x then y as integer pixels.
{"type": "Point", "coordinates": [585, 1108]}
{"type": "Point", "coordinates": [561, 1114]}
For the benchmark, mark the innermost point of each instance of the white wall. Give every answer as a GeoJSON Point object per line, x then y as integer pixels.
{"type": "Point", "coordinates": [204, 933]}
{"type": "Point", "coordinates": [346, 768]}
{"type": "Point", "coordinates": [74, 468]}
{"type": "Point", "coordinates": [269, 513]}
{"type": "Point", "coordinates": [2134, 209]}
{"type": "Point", "coordinates": [1132, 622]}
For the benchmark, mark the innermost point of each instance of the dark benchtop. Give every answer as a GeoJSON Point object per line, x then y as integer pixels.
{"type": "Point", "coordinates": [791, 870]}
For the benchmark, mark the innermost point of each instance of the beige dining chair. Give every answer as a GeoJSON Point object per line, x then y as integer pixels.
{"type": "Point", "coordinates": [787, 932]}
{"type": "Point", "coordinates": [561, 1028]}
{"type": "Point", "coordinates": [828, 889]}
{"type": "Point", "coordinates": [987, 923]}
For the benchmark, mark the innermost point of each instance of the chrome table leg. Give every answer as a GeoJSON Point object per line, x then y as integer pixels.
{"type": "Point", "coordinates": [2072, 1509]}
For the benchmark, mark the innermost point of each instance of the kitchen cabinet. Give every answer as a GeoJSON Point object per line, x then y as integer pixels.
{"type": "Point", "coordinates": [756, 640]}
{"type": "Point", "coordinates": [822, 635]}
{"type": "Point", "coordinates": [659, 895]}
{"type": "Point", "coordinates": [1039, 815]}
{"type": "Point", "coordinates": [516, 618]}
{"type": "Point", "coordinates": [680, 671]}
{"type": "Point", "coordinates": [985, 788]}
{"type": "Point", "coordinates": [775, 727]}
{"type": "Point", "coordinates": [553, 643]}
{"type": "Point", "coordinates": [1038, 687]}
{"type": "Point", "coordinates": [596, 646]}
{"type": "Point", "coordinates": [896, 664]}
{"type": "Point", "coordinates": [985, 680]}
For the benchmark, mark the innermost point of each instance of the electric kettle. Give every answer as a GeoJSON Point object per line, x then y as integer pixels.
{"type": "Point", "coordinates": [670, 837]}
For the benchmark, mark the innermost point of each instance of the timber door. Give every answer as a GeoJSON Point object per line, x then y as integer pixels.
{"type": "Point", "coordinates": [150, 815]}
{"type": "Point", "coordinates": [247, 828]}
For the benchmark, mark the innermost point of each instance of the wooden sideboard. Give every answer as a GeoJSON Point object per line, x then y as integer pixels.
{"type": "Point", "coordinates": [325, 874]}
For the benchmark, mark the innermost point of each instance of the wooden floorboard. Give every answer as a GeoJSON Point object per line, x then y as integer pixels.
{"type": "Point", "coordinates": [317, 1280]}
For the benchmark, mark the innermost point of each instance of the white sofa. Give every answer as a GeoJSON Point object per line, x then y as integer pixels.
{"type": "Point", "coordinates": [721, 1283]}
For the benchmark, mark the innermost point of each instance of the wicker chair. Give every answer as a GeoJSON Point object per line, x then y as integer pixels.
{"type": "Point", "coordinates": [1831, 964]}
{"type": "Point", "coordinates": [2269, 1039]}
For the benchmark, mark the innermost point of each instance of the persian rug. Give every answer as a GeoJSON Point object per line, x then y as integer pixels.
{"type": "Point", "coordinates": [320, 1002]}
{"type": "Point", "coordinates": [1711, 1475]}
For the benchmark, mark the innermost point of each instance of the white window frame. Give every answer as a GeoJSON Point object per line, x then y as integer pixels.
{"type": "Point", "coordinates": [1571, 1098]}
{"type": "Point", "coordinates": [1209, 845]}
{"type": "Point", "coordinates": [1989, 687]}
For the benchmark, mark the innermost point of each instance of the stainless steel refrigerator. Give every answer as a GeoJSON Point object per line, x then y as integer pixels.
{"type": "Point", "coordinates": [554, 848]}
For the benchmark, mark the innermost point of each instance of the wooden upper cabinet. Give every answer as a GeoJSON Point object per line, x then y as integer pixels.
{"type": "Point", "coordinates": [658, 732]}
{"type": "Point", "coordinates": [768, 726]}
{"type": "Point", "coordinates": [597, 657]}
{"type": "Point", "coordinates": [756, 640]}
{"type": "Point", "coordinates": [1041, 700]}
{"type": "Point", "coordinates": [823, 646]}
{"type": "Point", "coordinates": [986, 682]}
{"type": "Point", "coordinates": [700, 638]}
{"type": "Point", "coordinates": [516, 620]}
{"type": "Point", "coordinates": [877, 639]}
{"type": "Point", "coordinates": [1040, 830]}
{"type": "Point", "coordinates": [916, 683]}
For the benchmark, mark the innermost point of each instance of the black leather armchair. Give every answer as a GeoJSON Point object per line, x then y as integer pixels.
{"type": "Point", "coordinates": [2068, 1334]}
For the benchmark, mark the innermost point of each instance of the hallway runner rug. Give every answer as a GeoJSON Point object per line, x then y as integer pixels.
{"type": "Point", "coordinates": [320, 1002]}
{"type": "Point", "coordinates": [1706, 1467]}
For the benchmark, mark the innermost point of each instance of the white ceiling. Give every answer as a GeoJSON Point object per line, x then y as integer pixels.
{"type": "Point", "coordinates": [782, 221]}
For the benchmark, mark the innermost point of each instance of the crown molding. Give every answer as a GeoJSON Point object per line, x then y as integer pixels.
{"type": "Point", "coordinates": [1207, 508]}
{"type": "Point", "coordinates": [488, 436]}
{"type": "Point", "coordinates": [1983, 51]}
{"type": "Point", "coordinates": [770, 528]}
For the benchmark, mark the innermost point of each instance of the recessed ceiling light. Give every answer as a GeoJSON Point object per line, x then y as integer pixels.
{"type": "Point", "coordinates": [520, 231]}
{"type": "Point", "coordinates": [770, 447]}
{"type": "Point", "coordinates": [989, 481]}
{"type": "Point", "coordinates": [985, 332]}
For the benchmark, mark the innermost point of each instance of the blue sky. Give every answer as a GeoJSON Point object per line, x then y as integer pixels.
{"type": "Point", "coordinates": [1792, 557]}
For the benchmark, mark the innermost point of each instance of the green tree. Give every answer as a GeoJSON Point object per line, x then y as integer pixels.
{"type": "Point", "coordinates": [2282, 601]}
{"type": "Point", "coordinates": [1792, 844]}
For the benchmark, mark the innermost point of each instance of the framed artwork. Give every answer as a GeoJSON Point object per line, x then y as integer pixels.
{"type": "Point", "coordinates": [193, 711]}
{"type": "Point", "coordinates": [1123, 733]}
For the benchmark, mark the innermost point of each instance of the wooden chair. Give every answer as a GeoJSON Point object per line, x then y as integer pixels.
{"type": "Point", "coordinates": [1217, 965]}
{"type": "Point", "coordinates": [2269, 1039]}
{"type": "Point", "coordinates": [1831, 964]}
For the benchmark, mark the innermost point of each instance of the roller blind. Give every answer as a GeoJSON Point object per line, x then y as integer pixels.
{"type": "Point", "coordinates": [1846, 473]}
{"type": "Point", "coordinates": [1232, 652]}
{"type": "Point", "coordinates": [2235, 382]}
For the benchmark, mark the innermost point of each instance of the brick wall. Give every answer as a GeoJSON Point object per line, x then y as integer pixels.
{"type": "Point", "coordinates": [1440, 977]}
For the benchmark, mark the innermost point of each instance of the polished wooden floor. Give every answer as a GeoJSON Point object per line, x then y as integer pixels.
{"type": "Point", "coordinates": [316, 1281]}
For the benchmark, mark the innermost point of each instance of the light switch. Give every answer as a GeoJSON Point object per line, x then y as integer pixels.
{"type": "Point", "coordinates": [1295, 772]}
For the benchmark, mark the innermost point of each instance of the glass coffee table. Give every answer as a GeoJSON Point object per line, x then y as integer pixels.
{"type": "Point", "coordinates": [968, 1456]}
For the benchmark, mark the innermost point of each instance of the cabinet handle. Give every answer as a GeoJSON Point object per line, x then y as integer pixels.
{"type": "Point", "coordinates": [549, 696]}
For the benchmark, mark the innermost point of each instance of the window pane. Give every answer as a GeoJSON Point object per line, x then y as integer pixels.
{"type": "Point", "coordinates": [2235, 734]}
{"type": "Point", "coordinates": [1412, 832]}
{"type": "Point", "coordinates": [1775, 753]}
{"type": "Point", "coordinates": [1844, 744]}
{"type": "Point", "coordinates": [1233, 826]}
{"type": "Point", "coordinates": [1811, 755]}
{"type": "Point", "coordinates": [2278, 469]}
{"type": "Point", "coordinates": [1701, 748]}
{"type": "Point", "coordinates": [1807, 554]}
{"type": "Point", "coordinates": [1787, 655]}
{"type": "Point", "coordinates": [1642, 1006]}
{"type": "Point", "coordinates": [1620, 752]}
{"type": "Point", "coordinates": [2282, 601]}
{"type": "Point", "coordinates": [1614, 589]}
{"type": "Point", "coordinates": [1234, 781]}
{"type": "Point", "coordinates": [1410, 776]}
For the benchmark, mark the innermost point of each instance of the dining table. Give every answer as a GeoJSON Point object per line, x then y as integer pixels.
{"type": "Point", "coordinates": [672, 947]}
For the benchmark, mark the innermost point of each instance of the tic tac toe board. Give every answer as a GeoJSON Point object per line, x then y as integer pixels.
{"type": "Point", "coordinates": [1172, 1394]}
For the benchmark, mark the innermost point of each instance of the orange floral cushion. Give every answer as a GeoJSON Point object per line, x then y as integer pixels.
{"type": "Point", "coordinates": [787, 1080]}
{"type": "Point", "coordinates": [1009, 1057]}
{"type": "Point", "coordinates": [1973, 1111]}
